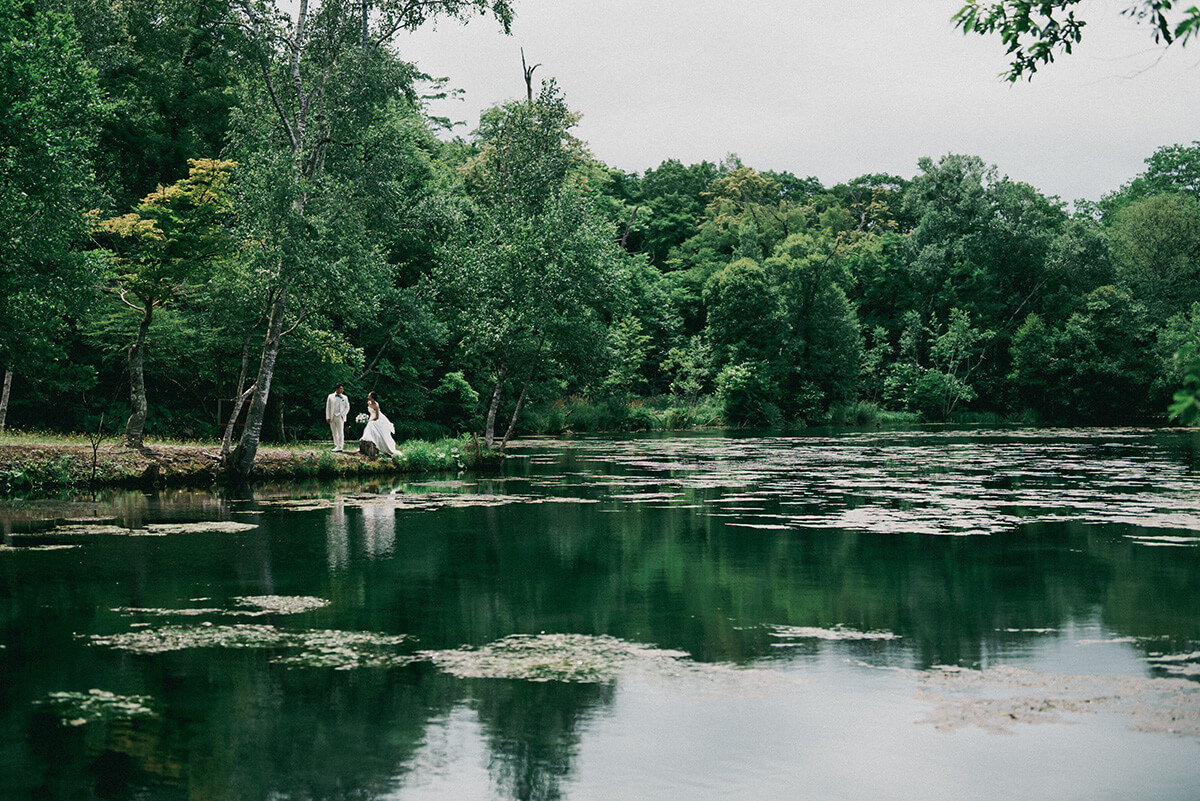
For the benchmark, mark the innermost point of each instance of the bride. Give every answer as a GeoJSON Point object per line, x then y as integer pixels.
{"type": "Point", "coordinates": [379, 429]}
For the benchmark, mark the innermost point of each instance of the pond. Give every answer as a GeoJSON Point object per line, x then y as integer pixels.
{"type": "Point", "coordinates": [982, 614]}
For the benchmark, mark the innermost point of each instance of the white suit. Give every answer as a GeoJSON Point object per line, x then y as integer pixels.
{"type": "Point", "coordinates": [337, 406]}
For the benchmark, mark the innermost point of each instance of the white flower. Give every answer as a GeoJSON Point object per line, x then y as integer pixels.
{"type": "Point", "coordinates": [362, 418]}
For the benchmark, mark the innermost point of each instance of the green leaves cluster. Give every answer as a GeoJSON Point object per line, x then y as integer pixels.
{"type": "Point", "coordinates": [1034, 32]}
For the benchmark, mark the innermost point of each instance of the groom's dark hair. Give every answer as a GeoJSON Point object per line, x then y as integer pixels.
{"type": "Point", "coordinates": [336, 387]}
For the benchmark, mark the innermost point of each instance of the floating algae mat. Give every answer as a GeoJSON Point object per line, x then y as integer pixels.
{"type": "Point", "coordinates": [204, 527]}
{"type": "Point", "coordinates": [104, 528]}
{"type": "Point", "coordinates": [551, 657]}
{"type": "Point", "coordinates": [279, 604]}
{"type": "Point", "coordinates": [1017, 696]}
{"type": "Point", "coordinates": [178, 638]}
{"type": "Point", "coordinates": [93, 706]}
{"type": "Point", "coordinates": [837, 633]}
{"type": "Point", "coordinates": [314, 648]}
{"type": "Point", "coordinates": [344, 650]}
{"type": "Point", "coordinates": [247, 606]}
{"type": "Point", "coordinates": [599, 659]}
{"type": "Point", "coordinates": [419, 501]}
{"type": "Point", "coordinates": [573, 658]}
{"type": "Point", "coordinates": [11, 549]}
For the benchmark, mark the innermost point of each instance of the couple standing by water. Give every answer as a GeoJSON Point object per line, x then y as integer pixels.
{"type": "Point", "coordinates": [379, 429]}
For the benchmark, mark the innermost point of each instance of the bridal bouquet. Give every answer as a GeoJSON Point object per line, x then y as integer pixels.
{"type": "Point", "coordinates": [362, 418]}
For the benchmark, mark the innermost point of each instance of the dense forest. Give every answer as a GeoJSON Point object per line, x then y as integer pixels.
{"type": "Point", "coordinates": [215, 211]}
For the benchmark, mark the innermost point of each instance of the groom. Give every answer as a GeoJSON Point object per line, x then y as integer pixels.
{"type": "Point", "coordinates": [337, 406]}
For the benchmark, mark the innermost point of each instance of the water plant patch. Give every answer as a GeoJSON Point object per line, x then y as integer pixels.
{"type": "Point", "coordinates": [93, 706]}
{"type": "Point", "coordinates": [998, 699]}
{"type": "Point", "coordinates": [310, 648]}
{"type": "Point", "coordinates": [245, 606]}
{"type": "Point", "coordinates": [836, 633]}
{"type": "Point", "coordinates": [206, 635]}
{"type": "Point", "coordinates": [601, 659]}
{"type": "Point", "coordinates": [278, 604]}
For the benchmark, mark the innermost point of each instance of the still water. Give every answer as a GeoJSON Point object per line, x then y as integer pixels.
{"type": "Point", "coordinates": [928, 614]}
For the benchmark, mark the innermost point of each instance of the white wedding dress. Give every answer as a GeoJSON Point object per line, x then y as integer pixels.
{"type": "Point", "coordinates": [380, 430]}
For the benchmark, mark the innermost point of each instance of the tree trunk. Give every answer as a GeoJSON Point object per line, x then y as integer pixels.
{"type": "Point", "coordinates": [239, 398]}
{"type": "Point", "coordinates": [135, 426]}
{"type": "Point", "coordinates": [241, 462]}
{"type": "Point", "coordinates": [489, 432]}
{"type": "Point", "coordinates": [4, 396]}
{"type": "Point", "coordinates": [512, 424]}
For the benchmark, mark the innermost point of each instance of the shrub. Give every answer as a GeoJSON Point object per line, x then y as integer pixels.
{"type": "Point", "coordinates": [675, 417]}
{"type": "Point", "coordinates": [810, 404]}
{"type": "Point", "coordinates": [455, 403]}
{"type": "Point", "coordinates": [772, 415]}
{"type": "Point", "coordinates": [936, 394]}
{"type": "Point", "coordinates": [890, 417]}
{"type": "Point", "coordinates": [743, 389]}
{"type": "Point", "coordinates": [863, 413]}
{"type": "Point", "coordinates": [421, 456]}
{"type": "Point", "coordinates": [554, 421]}
{"type": "Point", "coordinates": [584, 415]}
{"type": "Point", "coordinates": [36, 475]}
{"type": "Point", "coordinates": [639, 418]}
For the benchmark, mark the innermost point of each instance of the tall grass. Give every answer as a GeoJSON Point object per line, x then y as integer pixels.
{"type": "Point", "coordinates": [421, 456]}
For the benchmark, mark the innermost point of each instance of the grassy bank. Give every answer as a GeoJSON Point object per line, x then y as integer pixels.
{"type": "Point", "coordinates": [32, 461]}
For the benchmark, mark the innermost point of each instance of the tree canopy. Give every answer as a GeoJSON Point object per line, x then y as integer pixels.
{"type": "Point", "coordinates": [263, 184]}
{"type": "Point", "coordinates": [50, 112]}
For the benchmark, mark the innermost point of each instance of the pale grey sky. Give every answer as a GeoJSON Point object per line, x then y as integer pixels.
{"type": "Point", "coordinates": [829, 89]}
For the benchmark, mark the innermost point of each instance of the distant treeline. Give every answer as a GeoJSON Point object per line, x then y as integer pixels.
{"type": "Point", "coordinates": [213, 214]}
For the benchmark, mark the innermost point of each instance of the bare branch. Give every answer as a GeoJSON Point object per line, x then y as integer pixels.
{"type": "Point", "coordinates": [121, 294]}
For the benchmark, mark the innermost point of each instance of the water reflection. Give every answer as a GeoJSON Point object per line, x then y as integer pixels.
{"type": "Point", "coordinates": [379, 531]}
{"type": "Point", "coordinates": [374, 525]}
{"type": "Point", "coordinates": [706, 616]}
{"type": "Point", "coordinates": [337, 539]}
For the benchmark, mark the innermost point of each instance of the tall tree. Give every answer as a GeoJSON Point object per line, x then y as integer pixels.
{"type": "Point", "coordinates": [950, 202]}
{"type": "Point", "coordinates": [1171, 168]}
{"type": "Point", "coordinates": [325, 72]}
{"type": "Point", "coordinates": [980, 245]}
{"type": "Point", "coordinates": [168, 70]}
{"type": "Point", "coordinates": [1035, 33]}
{"type": "Point", "coordinates": [744, 195]}
{"type": "Point", "coordinates": [1155, 247]}
{"type": "Point", "coordinates": [535, 264]}
{"type": "Point", "coordinates": [666, 204]}
{"type": "Point", "coordinates": [745, 314]}
{"type": "Point", "coordinates": [161, 248]}
{"type": "Point", "coordinates": [49, 113]}
{"type": "Point", "coordinates": [823, 355]}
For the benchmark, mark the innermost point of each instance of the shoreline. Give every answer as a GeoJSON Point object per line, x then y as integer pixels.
{"type": "Point", "coordinates": [39, 465]}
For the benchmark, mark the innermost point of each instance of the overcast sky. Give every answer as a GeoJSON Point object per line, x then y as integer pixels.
{"type": "Point", "coordinates": [829, 89]}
